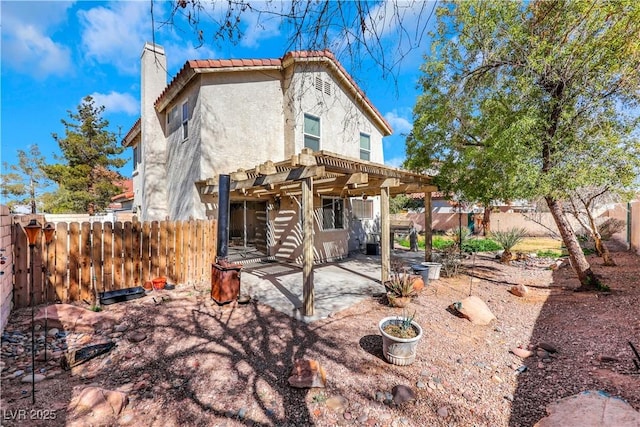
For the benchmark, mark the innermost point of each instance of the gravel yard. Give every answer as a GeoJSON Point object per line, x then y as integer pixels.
{"type": "Point", "coordinates": [182, 360]}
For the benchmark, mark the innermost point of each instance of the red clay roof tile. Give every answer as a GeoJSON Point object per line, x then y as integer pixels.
{"type": "Point", "coordinates": [237, 63]}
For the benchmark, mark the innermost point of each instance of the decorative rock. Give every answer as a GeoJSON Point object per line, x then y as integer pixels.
{"type": "Point", "coordinates": [36, 378]}
{"type": "Point", "coordinates": [548, 347]}
{"type": "Point", "coordinates": [379, 396]}
{"type": "Point", "coordinates": [402, 393]}
{"type": "Point", "coordinates": [242, 413]}
{"type": "Point", "coordinates": [420, 384]}
{"type": "Point", "coordinates": [521, 352]}
{"type": "Point", "coordinates": [121, 327]}
{"type": "Point", "coordinates": [98, 404]}
{"type": "Point", "coordinates": [443, 412]}
{"type": "Point", "coordinates": [590, 408]}
{"type": "Point", "coordinates": [363, 418]}
{"type": "Point", "coordinates": [543, 354]}
{"type": "Point", "coordinates": [72, 318]}
{"type": "Point", "coordinates": [307, 374]}
{"type": "Point", "coordinates": [52, 332]}
{"type": "Point", "coordinates": [519, 290]}
{"type": "Point", "coordinates": [137, 337]}
{"type": "Point", "coordinates": [337, 403]}
{"type": "Point", "coordinates": [474, 309]}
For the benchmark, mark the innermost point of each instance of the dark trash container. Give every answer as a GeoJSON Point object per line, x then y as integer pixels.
{"type": "Point", "coordinates": [373, 249]}
{"type": "Point", "coordinates": [422, 270]}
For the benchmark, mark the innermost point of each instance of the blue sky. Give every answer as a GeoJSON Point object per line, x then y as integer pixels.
{"type": "Point", "coordinates": [55, 53]}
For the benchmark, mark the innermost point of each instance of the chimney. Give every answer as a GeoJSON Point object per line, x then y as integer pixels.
{"type": "Point", "coordinates": [153, 68]}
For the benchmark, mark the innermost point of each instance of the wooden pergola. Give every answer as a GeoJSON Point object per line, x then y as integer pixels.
{"type": "Point", "coordinates": [328, 174]}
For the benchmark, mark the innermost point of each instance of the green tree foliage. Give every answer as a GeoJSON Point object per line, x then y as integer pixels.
{"type": "Point", "coordinates": [532, 99]}
{"type": "Point", "coordinates": [86, 178]}
{"type": "Point", "coordinates": [24, 183]}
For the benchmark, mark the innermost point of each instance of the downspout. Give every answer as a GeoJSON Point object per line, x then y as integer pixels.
{"type": "Point", "coordinates": [629, 225]}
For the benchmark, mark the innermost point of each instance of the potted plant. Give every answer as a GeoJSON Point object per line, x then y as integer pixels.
{"type": "Point", "coordinates": [402, 286]}
{"type": "Point", "coordinates": [400, 337]}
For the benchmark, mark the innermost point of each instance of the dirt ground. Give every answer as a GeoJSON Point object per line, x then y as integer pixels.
{"type": "Point", "coordinates": [183, 360]}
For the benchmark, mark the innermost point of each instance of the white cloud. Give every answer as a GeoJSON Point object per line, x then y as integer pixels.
{"type": "Point", "coordinates": [116, 34]}
{"type": "Point", "coordinates": [394, 162]}
{"type": "Point", "coordinates": [179, 53]}
{"type": "Point", "coordinates": [115, 102]}
{"type": "Point", "coordinates": [26, 46]}
{"type": "Point", "coordinates": [400, 124]}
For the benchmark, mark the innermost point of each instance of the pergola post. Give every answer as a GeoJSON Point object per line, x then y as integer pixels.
{"type": "Point", "coordinates": [428, 226]}
{"type": "Point", "coordinates": [385, 234]}
{"type": "Point", "coordinates": [307, 245]}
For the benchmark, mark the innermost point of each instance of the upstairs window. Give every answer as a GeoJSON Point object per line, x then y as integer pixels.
{"type": "Point", "coordinates": [365, 147]}
{"type": "Point", "coordinates": [136, 156]}
{"type": "Point", "coordinates": [312, 132]}
{"type": "Point", "coordinates": [185, 120]}
{"type": "Point", "coordinates": [332, 213]}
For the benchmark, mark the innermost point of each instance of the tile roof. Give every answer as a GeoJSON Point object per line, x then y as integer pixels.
{"type": "Point", "coordinates": [190, 67]}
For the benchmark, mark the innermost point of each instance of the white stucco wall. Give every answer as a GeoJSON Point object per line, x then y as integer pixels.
{"type": "Point", "coordinates": [184, 156]}
{"type": "Point", "coordinates": [242, 120]}
{"type": "Point", "coordinates": [341, 119]}
{"type": "Point", "coordinates": [152, 195]}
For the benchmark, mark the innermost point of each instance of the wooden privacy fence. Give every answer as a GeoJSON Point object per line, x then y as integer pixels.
{"type": "Point", "coordinates": [108, 256]}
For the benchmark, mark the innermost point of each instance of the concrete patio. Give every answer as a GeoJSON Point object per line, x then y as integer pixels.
{"type": "Point", "coordinates": [337, 285]}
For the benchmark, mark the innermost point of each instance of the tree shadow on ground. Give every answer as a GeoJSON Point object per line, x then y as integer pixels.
{"type": "Point", "coordinates": [591, 333]}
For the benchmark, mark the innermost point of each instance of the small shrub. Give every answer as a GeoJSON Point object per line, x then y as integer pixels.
{"type": "Point", "coordinates": [508, 239]}
{"type": "Point", "coordinates": [480, 245]}
{"type": "Point", "coordinates": [440, 243]}
{"type": "Point", "coordinates": [548, 254]}
{"type": "Point", "coordinates": [451, 262]}
{"type": "Point", "coordinates": [459, 235]}
{"type": "Point", "coordinates": [610, 227]}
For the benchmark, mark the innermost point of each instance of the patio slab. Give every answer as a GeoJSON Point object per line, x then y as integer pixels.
{"type": "Point", "coordinates": [337, 285]}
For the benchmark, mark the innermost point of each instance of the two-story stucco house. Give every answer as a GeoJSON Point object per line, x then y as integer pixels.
{"type": "Point", "coordinates": [220, 116]}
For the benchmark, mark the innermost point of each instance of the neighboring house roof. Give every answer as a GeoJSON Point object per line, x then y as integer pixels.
{"type": "Point", "coordinates": [194, 67]}
{"type": "Point", "coordinates": [127, 194]}
{"type": "Point", "coordinates": [132, 134]}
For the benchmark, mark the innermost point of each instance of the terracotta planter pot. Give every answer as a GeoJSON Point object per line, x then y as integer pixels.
{"type": "Point", "coordinates": [148, 285]}
{"type": "Point", "coordinates": [396, 301]}
{"type": "Point", "coordinates": [159, 283]}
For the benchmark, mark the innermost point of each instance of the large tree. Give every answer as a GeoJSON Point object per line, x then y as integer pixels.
{"type": "Point", "coordinates": [88, 176]}
{"type": "Point", "coordinates": [24, 183]}
{"type": "Point", "coordinates": [543, 94]}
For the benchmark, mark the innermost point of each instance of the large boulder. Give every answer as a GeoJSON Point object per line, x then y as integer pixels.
{"type": "Point", "coordinates": [590, 409]}
{"type": "Point", "coordinates": [73, 318]}
{"type": "Point", "coordinates": [97, 406]}
{"type": "Point", "coordinates": [474, 309]}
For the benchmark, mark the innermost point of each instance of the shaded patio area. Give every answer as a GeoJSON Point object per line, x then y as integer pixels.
{"type": "Point", "coordinates": [337, 285]}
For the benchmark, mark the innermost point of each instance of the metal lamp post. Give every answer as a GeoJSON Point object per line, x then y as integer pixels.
{"type": "Point", "coordinates": [48, 237]}
{"type": "Point", "coordinates": [33, 230]}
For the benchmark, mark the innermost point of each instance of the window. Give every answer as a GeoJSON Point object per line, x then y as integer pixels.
{"type": "Point", "coordinates": [362, 209]}
{"type": "Point", "coordinates": [136, 156]}
{"type": "Point", "coordinates": [332, 214]}
{"type": "Point", "coordinates": [185, 120]}
{"type": "Point", "coordinates": [172, 117]}
{"type": "Point", "coordinates": [365, 147]}
{"type": "Point", "coordinates": [312, 132]}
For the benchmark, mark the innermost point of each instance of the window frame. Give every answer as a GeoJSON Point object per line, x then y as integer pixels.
{"type": "Point", "coordinates": [365, 150]}
{"type": "Point", "coordinates": [185, 120]}
{"type": "Point", "coordinates": [136, 156]}
{"type": "Point", "coordinates": [364, 210]}
{"type": "Point", "coordinates": [337, 212]}
{"type": "Point", "coordinates": [306, 134]}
